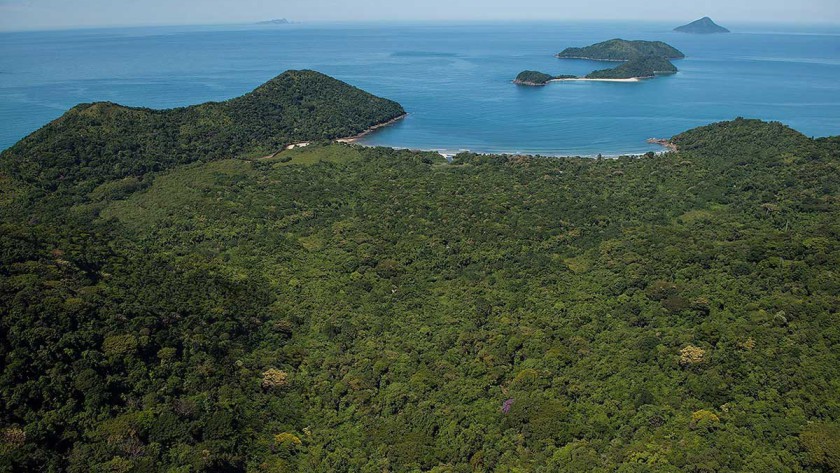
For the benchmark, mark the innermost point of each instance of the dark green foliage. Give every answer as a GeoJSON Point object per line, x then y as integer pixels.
{"type": "Point", "coordinates": [94, 143]}
{"type": "Point", "coordinates": [822, 443]}
{"type": "Point", "coordinates": [399, 301]}
{"type": "Point", "coordinates": [532, 78]}
{"type": "Point", "coordinates": [622, 50]}
{"type": "Point", "coordinates": [641, 67]}
{"type": "Point", "coordinates": [765, 141]}
{"type": "Point", "coordinates": [641, 59]}
{"type": "Point", "coordinates": [537, 78]}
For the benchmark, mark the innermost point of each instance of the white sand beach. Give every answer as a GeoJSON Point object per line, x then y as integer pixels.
{"type": "Point", "coordinates": [583, 79]}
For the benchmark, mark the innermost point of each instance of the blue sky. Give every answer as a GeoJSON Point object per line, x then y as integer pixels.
{"type": "Point", "coordinates": [47, 14]}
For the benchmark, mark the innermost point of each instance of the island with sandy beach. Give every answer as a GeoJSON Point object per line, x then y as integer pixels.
{"type": "Point", "coordinates": [536, 78]}
{"type": "Point", "coordinates": [621, 50]}
{"type": "Point", "coordinates": [645, 67]}
{"type": "Point", "coordinates": [540, 79]}
{"type": "Point", "coordinates": [639, 60]}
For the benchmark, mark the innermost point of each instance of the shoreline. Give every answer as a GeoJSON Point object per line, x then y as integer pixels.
{"type": "Point", "coordinates": [354, 138]}
{"type": "Point", "coordinates": [584, 79]}
{"type": "Point", "coordinates": [665, 143]}
{"type": "Point", "coordinates": [349, 139]}
{"type": "Point", "coordinates": [579, 79]}
{"type": "Point", "coordinates": [590, 58]}
{"type": "Point", "coordinates": [530, 84]}
{"type": "Point", "coordinates": [450, 153]}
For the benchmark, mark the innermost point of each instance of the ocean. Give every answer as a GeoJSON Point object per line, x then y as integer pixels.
{"type": "Point", "coordinates": [454, 79]}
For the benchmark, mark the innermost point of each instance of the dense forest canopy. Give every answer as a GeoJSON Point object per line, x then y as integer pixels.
{"type": "Point", "coordinates": [622, 50]}
{"type": "Point", "coordinates": [637, 68]}
{"type": "Point", "coordinates": [93, 143]}
{"type": "Point", "coordinates": [537, 78]}
{"type": "Point", "coordinates": [641, 59]}
{"type": "Point", "coordinates": [533, 78]}
{"type": "Point", "coordinates": [341, 308]}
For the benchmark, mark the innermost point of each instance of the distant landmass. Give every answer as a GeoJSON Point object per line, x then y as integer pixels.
{"type": "Point", "coordinates": [536, 78]}
{"type": "Point", "coordinates": [704, 25]}
{"type": "Point", "coordinates": [294, 107]}
{"type": "Point", "coordinates": [637, 68]}
{"type": "Point", "coordinates": [640, 60]}
{"type": "Point", "coordinates": [279, 21]}
{"type": "Point", "coordinates": [622, 50]}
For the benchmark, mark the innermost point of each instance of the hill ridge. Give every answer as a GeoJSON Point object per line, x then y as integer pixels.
{"type": "Point", "coordinates": [96, 141]}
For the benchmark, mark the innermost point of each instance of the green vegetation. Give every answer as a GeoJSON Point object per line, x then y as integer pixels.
{"type": "Point", "coordinates": [95, 143]}
{"type": "Point", "coordinates": [641, 59]}
{"type": "Point", "coordinates": [622, 50]}
{"type": "Point", "coordinates": [704, 25]}
{"type": "Point", "coordinates": [537, 78]}
{"type": "Point", "coordinates": [643, 67]}
{"type": "Point", "coordinates": [532, 78]}
{"type": "Point", "coordinates": [339, 308]}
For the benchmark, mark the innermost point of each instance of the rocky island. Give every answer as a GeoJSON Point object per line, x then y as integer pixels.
{"type": "Point", "coordinates": [704, 25]}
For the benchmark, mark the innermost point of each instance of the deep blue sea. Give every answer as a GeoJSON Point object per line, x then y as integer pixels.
{"type": "Point", "coordinates": [454, 79]}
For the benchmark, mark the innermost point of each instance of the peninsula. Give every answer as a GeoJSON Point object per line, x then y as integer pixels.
{"type": "Point", "coordinates": [294, 107]}
{"type": "Point", "coordinates": [704, 25]}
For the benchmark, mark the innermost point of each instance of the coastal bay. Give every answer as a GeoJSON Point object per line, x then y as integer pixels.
{"type": "Point", "coordinates": [453, 79]}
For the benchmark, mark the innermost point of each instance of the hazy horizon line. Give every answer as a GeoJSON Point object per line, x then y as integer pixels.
{"type": "Point", "coordinates": [675, 21]}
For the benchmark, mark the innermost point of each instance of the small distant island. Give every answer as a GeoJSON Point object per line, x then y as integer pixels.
{"type": "Point", "coordinates": [278, 21]}
{"type": "Point", "coordinates": [640, 60]}
{"type": "Point", "coordinates": [536, 78]}
{"type": "Point", "coordinates": [645, 67]}
{"type": "Point", "coordinates": [704, 25]}
{"type": "Point", "coordinates": [622, 50]}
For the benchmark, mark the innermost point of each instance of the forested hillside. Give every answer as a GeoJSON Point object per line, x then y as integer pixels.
{"type": "Point", "coordinates": [94, 143]}
{"type": "Point", "coordinates": [622, 50]}
{"type": "Point", "coordinates": [644, 67]}
{"type": "Point", "coordinates": [641, 59]}
{"type": "Point", "coordinates": [340, 308]}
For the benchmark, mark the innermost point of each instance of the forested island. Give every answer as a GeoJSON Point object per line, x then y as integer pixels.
{"type": "Point", "coordinates": [644, 67]}
{"type": "Point", "coordinates": [704, 25]}
{"type": "Point", "coordinates": [640, 60]}
{"type": "Point", "coordinates": [175, 296]}
{"type": "Point", "coordinates": [536, 78]}
{"type": "Point", "coordinates": [622, 50]}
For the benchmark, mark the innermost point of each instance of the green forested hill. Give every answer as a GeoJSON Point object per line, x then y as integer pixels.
{"type": "Point", "coordinates": [532, 78]}
{"type": "Point", "coordinates": [339, 308]}
{"type": "Point", "coordinates": [93, 143]}
{"type": "Point", "coordinates": [644, 67]}
{"type": "Point", "coordinates": [536, 78]}
{"type": "Point", "coordinates": [622, 50]}
{"type": "Point", "coordinates": [641, 59]}
{"type": "Point", "coordinates": [704, 25]}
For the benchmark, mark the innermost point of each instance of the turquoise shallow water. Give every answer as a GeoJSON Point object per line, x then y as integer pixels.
{"type": "Point", "coordinates": [454, 79]}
